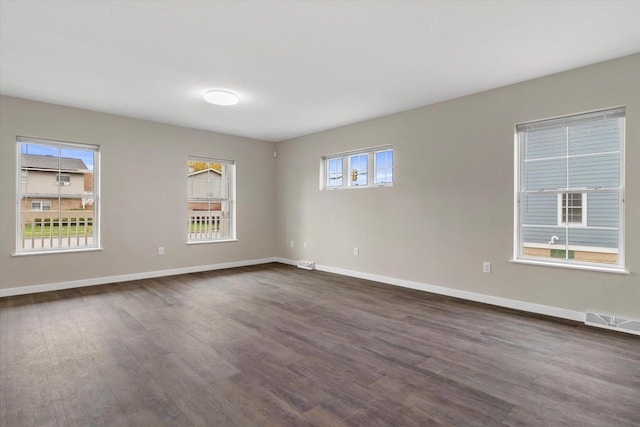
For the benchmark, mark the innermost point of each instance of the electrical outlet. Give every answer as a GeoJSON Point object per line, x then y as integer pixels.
{"type": "Point", "coordinates": [290, 243]}
{"type": "Point", "coordinates": [160, 250]}
{"type": "Point", "coordinates": [304, 245]}
{"type": "Point", "coordinates": [486, 267]}
{"type": "Point", "coordinates": [356, 251]}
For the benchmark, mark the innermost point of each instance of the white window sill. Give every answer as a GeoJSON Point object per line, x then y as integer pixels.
{"type": "Point", "coordinates": [353, 187]}
{"type": "Point", "coordinates": [571, 266]}
{"type": "Point", "coordinates": [54, 252]}
{"type": "Point", "coordinates": [201, 242]}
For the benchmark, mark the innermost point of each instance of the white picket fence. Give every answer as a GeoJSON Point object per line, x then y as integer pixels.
{"type": "Point", "coordinates": [53, 229]}
{"type": "Point", "coordinates": [69, 229]}
{"type": "Point", "coordinates": [207, 225]}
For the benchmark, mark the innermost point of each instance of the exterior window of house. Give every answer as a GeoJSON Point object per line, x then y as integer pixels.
{"type": "Point", "coordinates": [41, 205]}
{"type": "Point", "coordinates": [210, 200]}
{"type": "Point", "coordinates": [63, 179]}
{"type": "Point", "coordinates": [570, 191]}
{"type": "Point", "coordinates": [56, 210]}
{"type": "Point", "coordinates": [572, 209]}
{"type": "Point", "coordinates": [354, 169]}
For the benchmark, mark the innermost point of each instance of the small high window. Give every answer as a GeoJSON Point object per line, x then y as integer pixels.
{"type": "Point", "coordinates": [354, 169]}
{"type": "Point", "coordinates": [358, 169]}
{"type": "Point", "coordinates": [334, 172]}
{"type": "Point", "coordinates": [384, 167]}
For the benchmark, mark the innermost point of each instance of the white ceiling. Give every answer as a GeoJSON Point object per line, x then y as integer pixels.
{"type": "Point", "coordinates": [298, 66]}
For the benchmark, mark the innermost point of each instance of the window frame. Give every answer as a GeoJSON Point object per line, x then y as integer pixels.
{"type": "Point", "coordinates": [518, 246]}
{"type": "Point", "coordinates": [353, 182]}
{"type": "Point", "coordinates": [346, 158]}
{"type": "Point", "coordinates": [375, 167]}
{"type": "Point", "coordinates": [95, 222]}
{"type": "Point", "coordinates": [230, 165]}
{"type": "Point", "coordinates": [328, 173]}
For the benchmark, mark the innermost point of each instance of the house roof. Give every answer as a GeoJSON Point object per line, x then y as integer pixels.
{"type": "Point", "coordinates": [205, 170]}
{"type": "Point", "coordinates": [34, 161]}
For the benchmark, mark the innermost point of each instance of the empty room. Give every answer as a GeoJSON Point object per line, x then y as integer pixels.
{"type": "Point", "coordinates": [322, 213]}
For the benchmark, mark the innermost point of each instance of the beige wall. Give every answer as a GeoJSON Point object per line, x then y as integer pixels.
{"type": "Point", "coordinates": [451, 205]}
{"type": "Point", "coordinates": [143, 168]}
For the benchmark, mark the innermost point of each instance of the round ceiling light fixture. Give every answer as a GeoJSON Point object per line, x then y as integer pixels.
{"type": "Point", "coordinates": [221, 97]}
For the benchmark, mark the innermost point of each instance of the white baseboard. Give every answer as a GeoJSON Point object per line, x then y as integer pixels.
{"type": "Point", "coordinates": [456, 293]}
{"type": "Point", "coordinates": [466, 295]}
{"type": "Point", "coordinates": [23, 290]}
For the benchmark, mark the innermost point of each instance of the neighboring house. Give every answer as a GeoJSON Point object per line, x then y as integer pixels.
{"type": "Point", "coordinates": [47, 185]}
{"type": "Point", "coordinates": [202, 185]}
{"type": "Point", "coordinates": [87, 200]}
{"type": "Point", "coordinates": [582, 220]}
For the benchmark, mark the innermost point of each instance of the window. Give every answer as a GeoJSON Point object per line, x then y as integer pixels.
{"type": "Point", "coordinates": [384, 167]}
{"type": "Point", "coordinates": [572, 209]}
{"type": "Point", "coordinates": [334, 172]}
{"type": "Point", "coordinates": [211, 195]}
{"type": "Point", "coordinates": [570, 190]}
{"type": "Point", "coordinates": [41, 205]}
{"type": "Point", "coordinates": [357, 167]}
{"type": "Point", "coordinates": [63, 179]}
{"type": "Point", "coordinates": [57, 211]}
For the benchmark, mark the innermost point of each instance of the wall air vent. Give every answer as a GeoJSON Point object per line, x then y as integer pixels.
{"type": "Point", "coordinates": [613, 323]}
{"type": "Point", "coordinates": [307, 265]}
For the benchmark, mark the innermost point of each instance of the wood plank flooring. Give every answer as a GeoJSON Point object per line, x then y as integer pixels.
{"type": "Point", "coordinates": [276, 346]}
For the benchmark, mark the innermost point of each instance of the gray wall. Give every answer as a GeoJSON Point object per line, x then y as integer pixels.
{"type": "Point", "coordinates": [144, 194]}
{"type": "Point", "coordinates": [451, 204]}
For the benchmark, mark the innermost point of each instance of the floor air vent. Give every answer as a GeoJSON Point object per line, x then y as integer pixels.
{"type": "Point", "coordinates": [614, 323]}
{"type": "Point", "coordinates": [307, 265]}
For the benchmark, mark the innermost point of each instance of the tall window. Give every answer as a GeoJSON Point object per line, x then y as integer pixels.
{"type": "Point", "coordinates": [570, 190]}
{"type": "Point", "coordinates": [57, 209]}
{"type": "Point", "coordinates": [355, 168]}
{"type": "Point", "coordinates": [211, 190]}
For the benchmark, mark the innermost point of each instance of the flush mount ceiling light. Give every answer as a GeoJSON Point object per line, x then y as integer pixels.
{"type": "Point", "coordinates": [221, 97]}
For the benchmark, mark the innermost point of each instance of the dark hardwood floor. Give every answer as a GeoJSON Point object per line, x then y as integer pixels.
{"type": "Point", "coordinates": [276, 346]}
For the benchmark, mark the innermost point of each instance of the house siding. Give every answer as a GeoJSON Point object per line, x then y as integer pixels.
{"type": "Point", "coordinates": [44, 182]}
{"type": "Point", "coordinates": [206, 185]}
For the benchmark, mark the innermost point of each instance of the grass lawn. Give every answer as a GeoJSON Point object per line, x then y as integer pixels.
{"type": "Point", "coordinates": [203, 227]}
{"type": "Point", "coordinates": [38, 230]}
